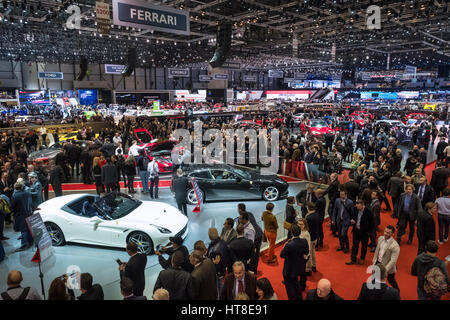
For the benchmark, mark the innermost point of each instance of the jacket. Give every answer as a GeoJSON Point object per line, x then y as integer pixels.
{"type": "Point", "coordinates": [241, 249]}
{"type": "Point", "coordinates": [366, 224]}
{"type": "Point", "coordinates": [301, 199]}
{"type": "Point", "coordinates": [348, 207]}
{"type": "Point", "coordinates": [321, 204]}
{"type": "Point", "coordinates": [375, 207]}
{"type": "Point", "coordinates": [94, 293]}
{"type": "Point", "coordinates": [414, 206]}
{"type": "Point", "coordinates": [220, 248]}
{"type": "Point", "coordinates": [135, 270]}
{"type": "Point", "coordinates": [352, 189]}
{"type": "Point", "coordinates": [231, 236]}
{"type": "Point", "coordinates": [36, 194]}
{"type": "Point", "coordinates": [166, 263]}
{"type": "Point", "coordinates": [428, 194]}
{"type": "Point", "coordinates": [390, 256]}
{"type": "Point", "coordinates": [177, 282]}
{"type": "Point", "coordinates": [109, 174]}
{"type": "Point", "coordinates": [180, 186]}
{"type": "Point", "coordinates": [384, 293]}
{"type": "Point", "coordinates": [21, 206]}
{"type": "Point", "coordinates": [270, 221]}
{"type": "Point", "coordinates": [313, 224]}
{"type": "Point", "coordinates": [204, 281]}
{"type": "Point", "coordinates": [426, 227]}
{"type": "Point", "coordinates": [293, 254]}
{"type": "Point", "coordinates": [332, 191]}
{"type": "Point", "coordinates": [258, 231]}
{"type": "Point", "coordinates": [439, 178]}
{"type": "Point", "coordinates": [425, 262]}
{"type": "Point", "coordinates": [312, 295]}
{"type": "Point", "coordinates": [291, 214]}
{"type": "Point", "coordinates": [229, 285]}
{"type": "Point", "coordinates": [395, 187]}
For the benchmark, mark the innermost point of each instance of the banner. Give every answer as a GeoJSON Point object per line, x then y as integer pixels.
{"type": "Point", "coordinates": [114, 68]}
{"type": "Point", "coordinates": [156, 105]}
{"type": "Point", "coordinates": [287, 80]}
{"type": "Point", "coordinates": [176, 72]}
{"type": "Point", "coordinates": [139, 14]}
{"type": "Point", "coordinates": [231, 65]}
{"type": "Point", "coordinates": [103, 18]}
{"type": "Point", "coordinates": [205, 78]}
{"type": "Point", "coordinates": [276, 74]}
{"type": "Point", "coordinates": [220, 76]}
{"type": "Point", "coordinates": [299, 76]}
{"type": "Point", "coordinates": [40, 235]}
{"type": "Point", "coordinates": [198, 194]}
{"type": "Point", "coordinates": [410, 70]}
{"type": "Point", "coordinates": [51, 75]}
{"type": "Point", "coordinates": [250, 78]}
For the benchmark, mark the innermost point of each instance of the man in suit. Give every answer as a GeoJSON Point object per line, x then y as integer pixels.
{"type": "Point", "coordinates": [228, 233]}
{"type": "Point", "coordinates": [239, 281]}
{"type": "Point", "coordinates": [362, 221]}
{"type": "Point", "coordinates": [321, 204]}
{"type": "Point", "coordinates": [333, 194]}
{"type": "Point", "coordinates": [88, 290]}
{"type": "Point", "coordinates": [126, 289]}
{"type": "Point", "coordinates": [305, 196]}
{"type": "Point", "coordinates": [426, 227]}
{"type": "Point", "coordinates": [439, 179]}
{"type": "Point", "coordinates": [109, 175]}
{"type": "Point", "coordinates": [351, 187]}
{"type": "Point", "coordinates": [343, 208]}
{"type": "Point", "coordinates": [293, 254]}
{"type": "Point", "coordinates": [177, 245]}
{"type": "Point", "coordinates": [375, 207]}
{"type": "Point", "coordinates": [380, 290]}
{"type": "Point", "coordinates": [179, 187]}
{"type": "Point", "coordinates": [395, 190]}
{"type": "Point", "coordinates": [219, 253]}
{"type": "Point", "coordinates": [424, 191]}
{"type": "Point", "coordinates": [253, 266]}
{"type": "Point", "coordinates": [241, 248]}
{"type": "Point", "coordinates": [313, 221]}
{"type": "Point", "coordinates": [440, 149]}
{"type": "Point", "coordinates": [387, 253]}
{"type": "Point", "coordinates": [409, 208]}
{"type": "Point", "coordinates": [134, 269]}
{"type": "Point", "coordinates": [204, 277]}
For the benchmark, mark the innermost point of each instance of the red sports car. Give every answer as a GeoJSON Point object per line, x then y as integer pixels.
{"type": "Point", "coordinates": [360, 122]}
{"type": "Point", "coordinates": [362, 114]}
{"type": "Point", "coordinates": [162, 152]}
{"type": "Point", "coordinates": [318, 127]}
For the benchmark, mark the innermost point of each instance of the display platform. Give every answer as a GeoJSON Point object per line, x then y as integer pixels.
{"type": "Point", "coordinates": [100, 261]}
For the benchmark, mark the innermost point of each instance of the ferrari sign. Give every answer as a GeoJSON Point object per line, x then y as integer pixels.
{"type": "Point", "coordinates": [102, 17]}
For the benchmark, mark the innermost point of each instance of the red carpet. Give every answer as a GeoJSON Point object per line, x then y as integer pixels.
{"type": "Point", "coordinates": [347, 280]}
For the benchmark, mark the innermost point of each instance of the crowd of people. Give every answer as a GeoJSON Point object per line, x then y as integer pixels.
{"type": "Point", "coordinates": [227, 268]}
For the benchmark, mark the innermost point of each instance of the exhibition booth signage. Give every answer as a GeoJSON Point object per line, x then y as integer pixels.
{"type": "Point", "coordinates": [275, 74]}
{"type": "Point", "coordinates": [220, 76]}
{"type": "Point", "coordinates": [205, 78]}
{"type": "Point", "coordinates": [176, 72]}
{"type": "Point", "coordinates": [51, 75]}
{"type": "Point", "coordinates": [114, 68]}
{"type": "Point", "coordinates": [250, 78]}
{"type": "Point", "coordinates": [231, 65]}
{"type": "Point", "coordinates": [139, 14]}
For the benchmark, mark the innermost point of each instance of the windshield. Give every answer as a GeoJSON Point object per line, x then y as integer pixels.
{"type": "Point", "coordinates": [115, 206]}
{"type": "Point", "coordinates": [241, 172]}
{"type": "Point", "coordinates": [164, 148]}
{"type": "Point", "coordinates": [144, 136]}
{"type": "Point", "coordinates": [318, 123]}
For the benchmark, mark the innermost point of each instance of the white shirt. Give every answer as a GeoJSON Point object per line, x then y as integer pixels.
{"type": "Point", "coordinates": [153, 168]}
{"type": "Point", "coordinates": [383, 246]}
{"type": "Point", "coordinates": [43, 130]}
{"type": "Point", "coordinates": [249, 231]}
{"type": "Point", "coordinates": [134, 150]}
{"type": "Point", "coordinates": [117, 140]}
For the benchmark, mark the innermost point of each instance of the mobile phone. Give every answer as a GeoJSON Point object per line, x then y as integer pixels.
{"type": "Point", "coordinates": [119, 262]}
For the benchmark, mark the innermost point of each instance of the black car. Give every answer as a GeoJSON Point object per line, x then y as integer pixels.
{"type": "Point", "coordinates": [226, 182]}
{"type": "Point", "coordinates": [47, 154]}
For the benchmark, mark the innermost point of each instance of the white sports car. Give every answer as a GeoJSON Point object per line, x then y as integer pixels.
{"type": "Point", "coordinates": [112, 220]}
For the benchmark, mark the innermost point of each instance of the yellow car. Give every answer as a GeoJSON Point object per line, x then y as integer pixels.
{"type": "Point", "coordinates": [429, 107]}
{"type": "Point", "coordinates": [71, 135]}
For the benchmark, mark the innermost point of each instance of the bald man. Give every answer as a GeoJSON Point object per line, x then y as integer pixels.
{"type": "Point", "coordinates": [15, 291]}
{"type": "Point", "coordinates": [323, 291]}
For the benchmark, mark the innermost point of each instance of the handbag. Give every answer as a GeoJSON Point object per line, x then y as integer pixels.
{"type": "Point", "coordinates": [287, 225]}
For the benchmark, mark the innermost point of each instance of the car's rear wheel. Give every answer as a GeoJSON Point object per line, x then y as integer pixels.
{"type": "Point", "coordinates": [191, 198]}
{"type": "Point", "coordinates": [271, 193]}
{"type": "Point", "coordinates": [143, 241]}
{"type": "Point", "coordinates": [56, 234]}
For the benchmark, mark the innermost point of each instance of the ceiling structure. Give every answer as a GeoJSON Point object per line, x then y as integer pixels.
{"type": "Point", "coordinates": [265, 34]}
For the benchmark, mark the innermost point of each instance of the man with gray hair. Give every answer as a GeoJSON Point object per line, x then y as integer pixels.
{"type": "Point", "coordinates": [239, 281]}
{"type": "Point", "coordinates": [21, 206]}
{"type": "Point", "coordinates": [161, 294]}
{"type": "Point", "coordinates": [204, 277]}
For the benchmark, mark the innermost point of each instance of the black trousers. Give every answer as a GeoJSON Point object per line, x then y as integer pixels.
{"type": "Point", "coordinates": [293, 288]}
{"type": "Point", "coordinates": [110, 187]}
{"type": "Point", "coordinates": [154, 183]}
{"type": "Point", "coordinates": [73, 164]}
{"type": "Point", "coordinates": [392, 281]}
{"type": "Point", "coordinates": [182, 207]}
{"type": "Point", "coordinates": [320, 242]}
{"type": "Point", "coordinates": [253, 266]}
{"type": "Point", "coordinates": [359, 237]}
{"type": "Point", "coordinates": [57, 189]}
{"type": "Point", "coordinates": [404, 220]}
{"type": "Point", "coordinates": [46, 192]}
{"type": "Point", "coordinates": [395, 203]}
{"type": "Point", "coordinates": [130, 183]}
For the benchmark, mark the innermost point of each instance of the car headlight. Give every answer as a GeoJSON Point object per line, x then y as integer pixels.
{"type": "Point", "coordinates": [161, 229]}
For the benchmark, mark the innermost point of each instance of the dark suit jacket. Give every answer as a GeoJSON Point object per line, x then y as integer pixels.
{"type": "Point", "coordinates": [293, 254]}
{"type": "Point", "coordinates": [290, 214]}
{"type": "Point", "coordinates": [426, 227]}
{"type": "Point", "coordinates": [313, 225]}
{"type": "Point", "coordinates": [414, 206]}
{"type": "Point", "coordinates": [165, 263]}
{"type": "Point", "coordinates": [136, 298]}
{"type": "Point", "coordinates": [109, 174]}
{"type": "Point", "coordinates": [180, 185]}
{"type": "Point", "coordinates": [439, 178]}
{"type": "Point", "coordinates": [241, 249]}
{"type": "Point", "coordinates": [332, 191]}
{"type": "Point", "coordinates": [366, 223]}
{"type": "Point", "coordinates": [384, 293]}
{"type": "Point", "coordinates": [177, 281]}
{"type": "Point", "coordinates": [301, 199]}
{"type": "Point", "coordinates": [204, 281]}
{"type": "Point", "coordinates": [395, 187]}
{"type": "Point", "coordinates": [352, 189]}
{"type": "Point", "coordinates": [231, 237]}
{"type": "Point", "coordinates": [321, 204]}
{"type": "Point", "coordinates": [348, 207]}
{"type": "Point", "coordinates": [228, 290]}
{"type": "Point", "coordinates": [135, 270]}
{"type": "Point", "coordinates": [428, 194]}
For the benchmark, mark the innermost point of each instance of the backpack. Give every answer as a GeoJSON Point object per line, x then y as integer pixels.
{"type": "Point", "coordinates": [144, 163]}
{"type": "Point", "coordinates": [22, 296]}
{"type": "Point", "coordinates": [4, 207]}
{"type": "Point", "coordinates": [435, 284]}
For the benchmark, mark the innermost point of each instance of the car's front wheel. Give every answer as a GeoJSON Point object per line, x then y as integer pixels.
{"type": "Point", "coordinates": [56, 234]}
{"type": "Point", "coordinates": [143, 241]}
{"type": "Point", "coordinates": [271, 193]}
{"type": "Point", "coordinates": [191, 198]}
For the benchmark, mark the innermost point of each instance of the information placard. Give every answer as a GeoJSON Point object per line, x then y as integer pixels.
{"type": "Point", "coordinates": [37, 228]}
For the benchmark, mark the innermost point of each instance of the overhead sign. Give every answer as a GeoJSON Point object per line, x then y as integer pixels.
{"type": "Point", "coordinates": [103, 17]}
{"type": "Point", "coordinates": [231, 65]}
{"type": "Point", "coordinates": [250, 79]}
{"type": "Point", "coordinates": [114, 68]}
{"type": "Point", "coordinates": [275, 74]}
{"type": "Point", "coordinates": [220, 76]}
{"type": "Point", "coordinates": [410, 70]}
{"type": "Point", "coordinates": [40, 235]}
{"type": "Point", "coordinates": [176, 72]}
{"type": "Point", "coordinates": [299, 76]}
{"type": "Point", "coordinates": [50, 75]}
{"type": "Point", "coordinates": [138, 14]}
{"type": "Point", "coordinates": [205, 78]}
{"type": "Point", "coordinates": [287, 80]}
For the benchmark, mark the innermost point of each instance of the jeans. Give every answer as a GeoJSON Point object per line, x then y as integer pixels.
{"type": "Point", "coordinates": [2, 252]}
{"type": "Point", "coordinates": [219, 285]}
{"type": "Point", "coordinates": [444, 222]}
{"type": "Point", "coordinates": [154, 182]}
{"type": "Point", "coordinates": [272, 238]}
{"type": "Point", "coordinates": [343, 235]}
{"type": "Point", "coordinates": [144, 179]}
{"type": "Point", "coordinates": [26, 239]}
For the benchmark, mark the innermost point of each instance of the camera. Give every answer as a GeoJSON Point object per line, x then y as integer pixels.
{"type": "Point", "coordinates": [119, 262]}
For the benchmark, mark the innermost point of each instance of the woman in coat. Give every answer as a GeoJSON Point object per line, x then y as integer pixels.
{"type": "Point", "coordinates": [21, 206]}
{"type": "Point", "coordinates": [97, 175]}
{"type": "Point", "coordinates": [291, 214]}
{"type": "Point", "coordinates": [130, 172]}
{"type": "Point", "coordinates": [303, 224]}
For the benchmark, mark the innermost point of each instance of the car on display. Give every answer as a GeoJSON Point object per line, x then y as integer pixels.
{"type": "Point", "coordinates": [112, 220]}
{"type": "Point", "coordinates": [219, 182]}
{"type": "Point", "coordinates": [49, 153]}
{"type": "Point", "coordinates": [429, 106]}
{"type": "Point", "coordinates": [359, 122]}
{"type": "Point", "coordinates": [162, 152]}
{"type": "Point", "coordinates": [391, 123]}
{"type": "Point", "coordinates": [142, 135]}
{"type": "Point", "coordinates": [344, 126]}
{"type": "Point", "coordinates": [298, 118]}
{"type": "Point", "coordinates": [318, 127]}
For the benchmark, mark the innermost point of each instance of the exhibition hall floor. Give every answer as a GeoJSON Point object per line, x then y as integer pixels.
{"type": "Point", "coordinates": [100, 261]}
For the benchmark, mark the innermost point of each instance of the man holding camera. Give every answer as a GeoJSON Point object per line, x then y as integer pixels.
{"type": "Point", "coordinates": [134, 269]}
